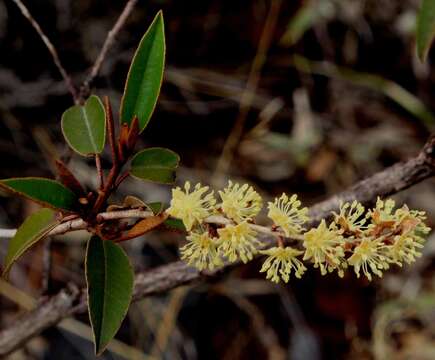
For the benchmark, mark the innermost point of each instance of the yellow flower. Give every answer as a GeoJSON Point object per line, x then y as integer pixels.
{"type": "Point", "coordinates": [191, 207]}
{"type": "Point", "coordinates": [370, 256]}
{"type": "Point", "coordinates": [383, 212]}
{"type": "Point", "coordinates": [240, 203]}
{"type": "Point", "coordinates": [324, 247]}
{"type": "Point", "coordinates": [238, 242]}
{"type": "Point", "coordinates": [412, 222]}
{"type": "Point", "coordinates": [405, 249]}
{"type": "Point", "coordinates": [286, 213]}
{"type": "Point", "coordinates": [201, 251]}
{"type": "Point", "coordinates": [350, 218]}
{"type": "Point", "coordinates": [407, 244]}
{"type": "Point", "coordinates": [280, 262]}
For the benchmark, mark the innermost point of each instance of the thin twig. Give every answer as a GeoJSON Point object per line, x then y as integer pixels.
{"type": "Point", "coordinates": [99, 171]}
{"type": "Point", "coordinates": [129, 6]}
{"type": "Point", "coordinates": [80, 224]}
{"type": "Point", "coordinates": [69, 83]}
{"type": "Point", "coordinates": [118, 161]}
{"type": "Point", "coordinates": [251, 86]}
{"type": "Point", "coordinates": [121, 178]}
{"type": "Point", "coordinates": [7, 233]}
{"type": "Point", "coordinates": [111, 129]}
{"type": "Point", "coordinates": [80, 96]}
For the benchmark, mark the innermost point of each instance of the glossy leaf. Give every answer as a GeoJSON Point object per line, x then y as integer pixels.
{"type": "Point", "coordinates": [47, 192]}
{"type": "Point", "coordinates": [155, 164]}
{"type": "Point", "coordinates": [425, 28]}
{"type": "Point", "coordinates": [145, 76]}
{"type": "Point", "coordinates": [109, 277]}
{"type": "Point", "coordinates": [84, 127]}
{"type": "Point", "coordinates": [33, 229]}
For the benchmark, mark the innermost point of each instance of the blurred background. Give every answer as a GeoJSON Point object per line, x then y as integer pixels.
{"type": "Point", "coordinates": [305, 97]}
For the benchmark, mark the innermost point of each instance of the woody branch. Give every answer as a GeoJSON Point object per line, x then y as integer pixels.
{"type": "Point", "coordinates": [71, 300]}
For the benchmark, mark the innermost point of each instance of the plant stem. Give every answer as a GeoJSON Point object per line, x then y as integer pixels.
{"type": "Point", "coordinates": [121, 178]}
{"type": "Point", "coordinates": [99, 171]}
{"type": "Point", "coordinates": [104, 194]}
{"type": "Point", "coordinates": [117, 164]}
{"type": "Point", "coordinates": [110, 129]}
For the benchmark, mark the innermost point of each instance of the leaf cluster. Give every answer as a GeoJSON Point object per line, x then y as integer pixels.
{"type": "Point", "coordinates": [87, 129]}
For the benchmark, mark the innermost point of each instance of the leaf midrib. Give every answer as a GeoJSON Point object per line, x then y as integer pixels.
{"type": "Point", "coordinates": [104, 296]}
{"type": "Point", "coordinates": [88, 127]}
{"type": "Point", "coordinates": [143, 80]}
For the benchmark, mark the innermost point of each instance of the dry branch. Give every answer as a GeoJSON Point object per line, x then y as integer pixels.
{"type": "Point", "coordinates": [110, 39]}
{"type": "Point", "coordinates": [53, 52]}
{"type": "Point", "coordinates": [68, 302]}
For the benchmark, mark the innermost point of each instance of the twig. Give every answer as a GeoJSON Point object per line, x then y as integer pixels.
{"type": "Point", "coordinates": [118, 161]}
{"type": "Point", "coordinates": [121, 178]}
{"type": "Point", "coordinates": [79, 96]}
{"type": "Point", "coordinates": [99, 171]}
{"type": "Point", "coordinates": [110, 129]}
{"type": "Point", "coordinates": [69, 83]}
{"type": "Point", "coordinates": [7, 233]}
{"type": "Point", "coordinates": [166, 277]}
{"type": "Point", "coordinates": [75, 327]}
{"type": "Point", "coordinates": [123, 214]}
{"type": "Point", "coordinates": [80, 224]}
{"type": "Point", "coordinates": [389, 181]}
{"type": "Point", "coordinates": [251, 86]}
{"type": "Point", "coordinates": [129, 6]}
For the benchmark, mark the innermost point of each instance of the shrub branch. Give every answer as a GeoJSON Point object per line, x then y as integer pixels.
{"type": "Point", "coordinates": [70, 301]}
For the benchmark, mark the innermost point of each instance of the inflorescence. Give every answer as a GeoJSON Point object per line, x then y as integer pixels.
{"type": "Point", "coordinates": [367, 240]}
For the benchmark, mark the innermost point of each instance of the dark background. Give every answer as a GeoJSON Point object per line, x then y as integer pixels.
{"type": "Point", "coordinates": [358, 101]}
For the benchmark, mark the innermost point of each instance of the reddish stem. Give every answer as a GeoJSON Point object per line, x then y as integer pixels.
{"type": "Point", "coordinates": [99, 171]}
{"type": "Point", "coordinates": [111, 129]}
{"type": "Point", "coordinates": [121, 179]}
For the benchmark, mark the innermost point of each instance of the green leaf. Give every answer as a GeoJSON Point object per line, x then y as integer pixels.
{"type": "Point", "coordinates": [145, 76]}
{"type": "Point", "coordinates": [175, 224]}
{"type": "Point", "coordinates": [425, 28]}
{"type": "Point", "coordinates": [47, 192]}
{"type": "Point", "coordinates": [33, 229]}
{"type": "Point", "coordinates": [155, 207]}
{"type": "Point", "coordinates": [155, 164]}
{"type": "Point", "coordinates": [109, 278]}
{"type": "Point", "coordinates": [84, 127]}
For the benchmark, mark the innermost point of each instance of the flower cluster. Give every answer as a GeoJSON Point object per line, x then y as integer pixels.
{"type": "Point", "coordinates": [324, 246]}
{"type": "Point", "coordinates": [223, 230]}
{"type": "Point", "coordinates": [382, 237]}
{"type": "Point", "coordinates": [192, 206]}
{"type": "Point", "coordinates": [237, 240]}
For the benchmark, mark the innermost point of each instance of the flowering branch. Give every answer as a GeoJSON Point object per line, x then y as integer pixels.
{"type": "Point", "coordinates": [166, 277]}
{"type": "Point", "coordinates": [367, 240]}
